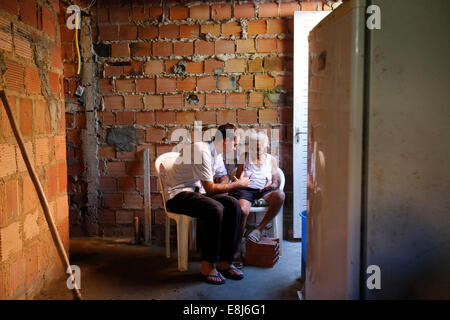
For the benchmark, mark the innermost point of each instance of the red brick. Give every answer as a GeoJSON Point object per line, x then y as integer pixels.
{"type": "Point", "coordinates": [179, 13]}
{"type": "Point", "coordinates": [186, 117]}
{"type": "Point", "coordinates": [145, 118]}
{"type": "Point", "coordinates": [256, 27]}
{"type": "Point", "coordinates": [153, 101]}
{"type": "Point", "coordinates": [200, 12]}
{"type": "Point", "coordinates": [199, 104]}
{"type": "Point", "coordinates": [138, 14]}
{"type": "Point", "coordinates": [206, 84]}
{"type": "Point", "coordinates": [249, 116]}
{"type": "Point", "coordinates": [55, 54]}
{"type": "Point", "coordinates": [285, 45]}
{"type": "Point", "coordinates": [145, 85]}
{"type": "Point", "coordinates": [14, 75]}
{"type": "Point", "coordinates": [133, 200]}
{"type": "Point", "coordinates": [246, 82]}
{"type": "Point", "coordinates": [235, 65]}
{"type": "Point", "coordinates": [221, 11]}
{"type": "Point", "coordinates": [183, 48]}
{"type": "Point", "coordinates": [125, 118]}
{"type": "Point", "coordinates": [224, 46]}
{"type": "Point", "coordinates": [54, 83]}
{"type": "Point", "coordinates": [48, 22]}
{"type": "Point", "coordinates": [166, 84]}
{"type": "Point", "coordinates": [115, 168]}
{"type": "Point", "coordinates": [308, 5]}
{"type": "Point", "coordinates": [226, 83]}
{"type": "Point", "coordinates": [108, 33]}
{"type": "Point", "coordinates": [155, 12]}
{"type": "Point", "coordinates": [264, 81]}
{"type": "Point", "coordinates": [106, 118]}
{"type": "Point", "coordinates": [140, 49]}
{"type": "Point", "coordinates": [106, 152]}
{"type": "Point", "coordinates": [215, 100]}
{"type": "Point", "coordinates": [11, 199]}
{"type": "Point", "coordinates": [268, 10]}
{"type": "Point", "coordinates": [134, 101]}
{"type": "Point", "coordinates": [194, 67]}
{"type": "Point", "coordinates": [245, 10]}
{"type": "Point", "coordinates": [256, 99]}
{"type": "Point", "coordinates": [273, 64]}
{"type": "Point", "coordinates": [212, 65]}
{"type": "Point", "coordinates": [266, 45]}
{"type": "Point", "coordinates": [107, 184]}
{"type": "Point", "coordinates": [126, 184]}
{"type": "Point", "coordinates": [120, 50]}
{"type": "Point", "coordinates": [32, 80]}
{"type": "Point", "coordinates": [225, 116]}
{"type": "Point", "coordinates": [188, 84]}
{"type": "Point", "coordinates": [231, 29]}
{"type": "Point", "coordinates": [165, 117]}
{"type": "Point", "coordinates": [204, 47]}
{"type": "Point", "coordinates": [212, 29]}
{"type": "Point", "coordinates": [207, 117]}
{"type": "Point", "coordinates": [22, 45]}
{"type": "Point", "coordinates": [16, 275]}
{"type": "Point", "coordinates": [173, 101]}
{"type": "Point", "coordinates": [287, 8]}
{"type": "Point", "coordinates": [42, 118]}
{"type": "Point", "coordinates": [236, 100]}
{"type": "Point", "coordinates": [169, 31]}
{"type": "Point", "coordinates": [113, 200]}
{"type": "Point", "coordinates": [245, 46]}
{"type": "Point", "coordinates": [28, 11]}
{"type": "Point", "coordinates": [128, 32]}
{"type": "Point", "coordinates": [9, 6]}
{"type": "Point", "coordinates": [268, 116]}
{"type": "Point", "coordinates": [52, 181]}
{"type": "Point", "coordinates": [26, 116]}
{"type": "Point", "coordinates": [162, 49]}
{"type": "Point", "coordinates": [118, 14]}
{"type": "Point", "coordinates": [189, 31]}
{"type": "Point", "coordinates": [154, 134]}
{"type": "Point", "coordinates": [277, 26]}
{"type": "Point", "coordinates": [154, 67]}
{"type": "Point", "coordinates": [113, 102]}
{"type": "Point", "coordinates": [125, 85]}
{"type": "Point", "coordinates": [147, 32]}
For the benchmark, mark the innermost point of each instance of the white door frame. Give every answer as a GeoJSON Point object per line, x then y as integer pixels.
{"type": "Point", "coordinates": [304, 22]}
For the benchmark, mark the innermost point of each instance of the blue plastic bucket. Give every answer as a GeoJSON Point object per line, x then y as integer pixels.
{"type": "Point", "coordinates": [303, 216]}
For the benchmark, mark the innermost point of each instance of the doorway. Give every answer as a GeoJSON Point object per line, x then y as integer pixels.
{"type": "Point", "coordinates": [304, 22]}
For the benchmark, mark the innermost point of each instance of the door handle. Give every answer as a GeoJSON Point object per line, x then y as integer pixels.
{"type": "Point", "coordinates": [297, 134]}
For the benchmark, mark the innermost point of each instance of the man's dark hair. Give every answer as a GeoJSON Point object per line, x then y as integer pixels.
{"type": "Point", "coordinates": [225, 131]}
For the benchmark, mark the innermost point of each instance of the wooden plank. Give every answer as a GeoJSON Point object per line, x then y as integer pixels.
{"type": "Point", "coordinates": [147, 199]}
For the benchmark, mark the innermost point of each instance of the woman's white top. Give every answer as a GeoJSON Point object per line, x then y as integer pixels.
{"type": "Point", "coordinates": [261, 175]}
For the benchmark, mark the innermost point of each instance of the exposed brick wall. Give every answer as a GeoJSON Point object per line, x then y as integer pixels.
{"type": "Point", "coordinates": [31, 75]}
{"type": "Point", "coordinates": [238, 62]}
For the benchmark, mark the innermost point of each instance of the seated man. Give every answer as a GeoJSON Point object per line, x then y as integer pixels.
{"type": "Point", "coordinates": [192, 192]}
{"type": "Point", "coordinates": [262, 170]}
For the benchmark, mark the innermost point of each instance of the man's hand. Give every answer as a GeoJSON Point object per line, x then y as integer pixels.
{"type": "Point", "coordinates": [267, 186]}
{"type": "Point", "coordinates": [242, 182]}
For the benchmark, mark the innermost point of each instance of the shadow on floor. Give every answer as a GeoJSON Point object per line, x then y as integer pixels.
{"type": "Point", "coordinates": [114, 269]}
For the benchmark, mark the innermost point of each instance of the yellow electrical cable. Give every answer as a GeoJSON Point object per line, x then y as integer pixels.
{"type": "Point", "coordinates": [78, 47]}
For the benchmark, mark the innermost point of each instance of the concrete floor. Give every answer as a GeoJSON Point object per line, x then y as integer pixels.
{"type": "Point", "coordinates": [115, 269]}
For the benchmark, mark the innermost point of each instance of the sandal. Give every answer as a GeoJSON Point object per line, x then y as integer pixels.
{"type": "Point", "coordinates": [205, 278]}
{"type": "Point", "coordinates": [227, 274]}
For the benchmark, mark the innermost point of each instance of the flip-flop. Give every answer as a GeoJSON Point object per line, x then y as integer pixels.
{"type": "Point", "coordinates": [205, 278]}
{"type": "Point", "coordinates": [254, 236]}
{"type": "Point", "coordinates": [227, 274]}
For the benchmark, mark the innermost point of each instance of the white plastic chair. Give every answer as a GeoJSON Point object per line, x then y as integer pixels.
{"type": "Point", "coordinates": [278, 220]}
{"type": "Point", "coordinates": [167, 160]}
